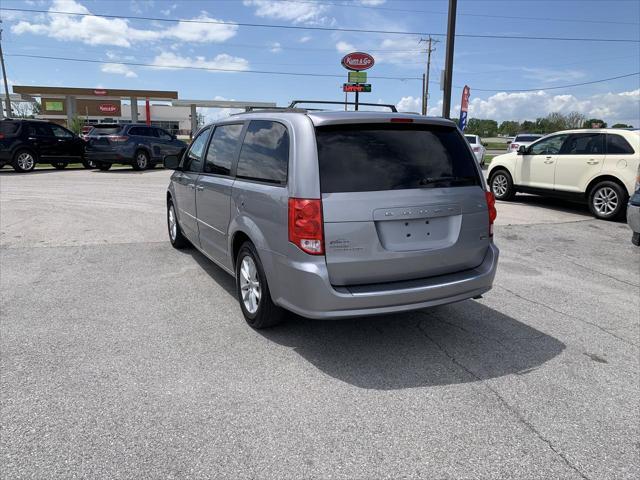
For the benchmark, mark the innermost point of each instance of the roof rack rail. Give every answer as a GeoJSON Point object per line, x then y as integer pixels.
{"type": "Point", "coordinates": [326, 102]}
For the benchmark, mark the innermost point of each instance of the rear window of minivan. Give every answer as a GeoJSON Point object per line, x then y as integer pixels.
{"type": "Point", "coordinates": [374, 157]}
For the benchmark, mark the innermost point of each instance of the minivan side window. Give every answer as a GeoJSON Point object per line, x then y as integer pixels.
{"type": "Point", "coordinates": [617, 144]}
{"type": "Point", "coordinates": [193, 158]}
{"type": "Point", "coordinates": [265, 153]}
{"type": "Point", "coordinates": [223, 149]}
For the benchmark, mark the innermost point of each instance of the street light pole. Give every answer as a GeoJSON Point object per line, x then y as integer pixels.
{"type": "Point", "coordinates": [448, 66]}
{"type": "Point", "coordinates": [4, 76]}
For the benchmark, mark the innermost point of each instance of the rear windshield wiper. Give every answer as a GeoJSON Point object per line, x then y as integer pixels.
{"type": "Point", "coordinates": [425, 182]}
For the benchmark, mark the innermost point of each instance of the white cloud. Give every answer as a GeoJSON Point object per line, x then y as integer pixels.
{"type": "Point", "coordinates": [304, 39]}
{"type": "Point", "coordinates": [414, 104]}
{"type": "Point", "coordinates": [276, 47]}
{"type": "Point", "coordinates": [612, 107]}
{"type": "Point", "coordinates": [307, 12]}
{"type": "Point", "coordinates": [549, 75]}
{"type": "Point", "coordinates": [168, 10]}
{"type": "Point", "coordinates": [345, 47]}
{"type": "Point", "coordinates": [94, 30]}
{"type": "Point", "coordinates": [213, 114]}
{"type": "Point", "coordinates": [372, 3]}
{"type": "Point", "coordinates": [118, 69]}
{"type": "Point", "coordinates": [222, 61]}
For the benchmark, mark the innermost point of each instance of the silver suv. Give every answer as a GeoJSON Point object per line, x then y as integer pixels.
{"type": "Point", "coordinates": [335, 214]}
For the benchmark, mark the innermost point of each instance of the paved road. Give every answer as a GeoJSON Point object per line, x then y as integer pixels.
{"type": "Point", "coordinates": [124, 358]}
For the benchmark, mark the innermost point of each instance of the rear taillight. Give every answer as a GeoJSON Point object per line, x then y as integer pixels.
{"type": "Point", "coordinates": [305, 225]}
{"type": "Point", "coordinates": [401, 120]}
{"type": "Point", "coordinates": [493, 213]}
{"type": "Point", "coordinates": [514, 146]}
{"type": "Point", "coordinates": [1, 136]}
{"type": "Point", "coordinates": [117, 138]}
{"type": "Point", "coordinates": [476, 149]}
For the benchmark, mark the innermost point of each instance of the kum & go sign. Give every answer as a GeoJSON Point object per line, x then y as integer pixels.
{"type": "Point", "coordinates": [357, 61]}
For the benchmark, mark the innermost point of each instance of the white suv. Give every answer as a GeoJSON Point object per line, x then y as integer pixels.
{"type": "Point", "coordinates": [598, 166]}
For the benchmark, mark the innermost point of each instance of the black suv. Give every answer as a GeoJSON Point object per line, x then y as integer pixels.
{"type": "Point", "coordinates": [24, 143]}
{"type": "Point", "coordinates": [137, 145]}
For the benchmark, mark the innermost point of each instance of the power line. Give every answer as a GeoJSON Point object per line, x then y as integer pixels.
{"type": "Point", "coordinates": [480, 15]}
{"type": "Point", "coordinates": [307, 74]}
{"type": "Point", "coordinates": [324, 29]}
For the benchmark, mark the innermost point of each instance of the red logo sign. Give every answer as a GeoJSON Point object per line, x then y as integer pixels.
{"type": "Point", "coordinates": [357, 61]}
{"type": "Point", "coordinates": [107, 108]}
{"type": "Point", "coordinates": [99, 92]}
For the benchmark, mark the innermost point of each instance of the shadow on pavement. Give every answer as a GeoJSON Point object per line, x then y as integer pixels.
{"type": "Point", "coordinates": [552, 204]}
{"type": "Point", "coordinates": [459, 343]}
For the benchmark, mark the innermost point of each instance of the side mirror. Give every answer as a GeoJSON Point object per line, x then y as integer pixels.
{"type": "Point", "coordinates": [172, 162]}
{"type": "Point", "coordinates": [509, 142]}
{"type": "Point", "coordinates": [523, 150]}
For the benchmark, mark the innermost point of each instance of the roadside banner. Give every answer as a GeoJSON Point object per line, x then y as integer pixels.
{"type": "Point", "coordinates": [464, 106]}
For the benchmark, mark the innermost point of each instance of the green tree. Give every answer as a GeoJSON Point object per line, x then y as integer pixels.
{"type": "Point", "coordinates": [509, 127]}
{"type": "Point", "coordinates": [482, 127]}
{"type": "Point", "coordinates": [594, 121]}
{"type": "Point", "coordinates": [621, 125]}
{"type": "Point", "coordinates": [528, 127]}
{"type": "Point", "coordinates": [76, 124]}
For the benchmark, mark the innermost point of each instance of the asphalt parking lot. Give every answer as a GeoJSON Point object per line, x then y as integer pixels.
{"type": "Point", "coordinates": [124, 358]}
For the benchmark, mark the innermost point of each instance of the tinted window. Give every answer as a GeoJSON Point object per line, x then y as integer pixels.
{"type": "Point", "coordinates": [618, 144]}
{"type": "Point", "coordinates": [470, 138]}
{"type": "Point", "coordinates": [526, 138]}
{"type": "Point", "coordinates": [584, 144]}
{"type": "Point", "coordinates": [223, 149]}
{"type": "Point", "coordinates": [110, 130]}
{"type": "Point", "coordinates": [265, 152]}
{"type": "Point", "coordinates": [548, 146]}
{"type": "Point", "coordinates": [9, 128]}
{"type": "Point", "coordinates": [41, 129]}
{"type": "Point", "coordinates": [163, 135]}
{"type": "Point", "coordinates": [193, 158]}
{"type": "Point", "coordinates": [60, 132]}
{"type": "Point", "coordinates": [142, 131]}
{"type": "Point", "coordinates": [360, 158]}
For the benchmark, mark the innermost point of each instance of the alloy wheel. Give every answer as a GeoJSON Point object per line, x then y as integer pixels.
{"type": "Point", "coordinates": [141, 160]}
{"type": "Point", "coordinates": [500, 185]}
{"type": "Point", "coordinates": [173, 225]}
{"type": "Point", "coordinates": [605, 201]}
{"type": "Point", "coordinates": [25, 161]}
{"type": "Point", "coordinates": [250, 285]}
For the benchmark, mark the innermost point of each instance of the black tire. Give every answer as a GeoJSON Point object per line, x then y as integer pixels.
{"type": "Point", "coordinates": [24, 161]}
{"type": "Point", "coordinates": [88, 164]}
{"type": "Point", "coordinates": [635, 239]}
{"type": "Point", "coordinates": [501, 184]}
{"type": "Point", "coordinates": [104, 166]}
{"type": "Point", "coordinates": [267, 313]}
{"type": "Point", "coordinates": [176, 237]}
{"type": "Point", "coordinates": [607, 200]}
{"type": "Point", "coordinates": [59, 165]}
{"type": "Point", "coordinates": [141, 160]}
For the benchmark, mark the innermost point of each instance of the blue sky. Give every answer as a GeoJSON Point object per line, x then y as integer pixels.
{"type": "Point", "coordinates": [491, 64]}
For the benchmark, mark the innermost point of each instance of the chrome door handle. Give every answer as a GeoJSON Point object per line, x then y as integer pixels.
{"type": "Point", "coordinates": [191, 185]}
{"type": "Point", "coordinates": [593, 162]}
{"type": "Point", "coordinates": [548, 161]}
{"type": "Point", "coordinates": [200, 188]}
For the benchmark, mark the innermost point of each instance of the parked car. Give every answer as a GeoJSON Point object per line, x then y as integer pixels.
{"type": "Point", "coordinates": [84, 133]}
{"type": "Point", "coordinates": [25, 143]}
{"type": "Point", "coordinates": [522, 139]}
{"type": "Point", "coordinates": [404, 223]}
{"type": "Point", "coordinates": [477, 146]}
{"type": "Point", "coordinates": [633, 213]}
{"type": "Point", "coordinates": [140, 146]}
{"type": "Point", "coordinates": [594, 166]}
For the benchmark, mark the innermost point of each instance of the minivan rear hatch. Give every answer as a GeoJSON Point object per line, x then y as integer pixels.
{"type": "Point", "coordinates": [400, 201]}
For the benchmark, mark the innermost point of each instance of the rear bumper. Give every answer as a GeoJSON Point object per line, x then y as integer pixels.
{"type": "Point", "coordinates": [633, 217]}
{"type": "Point", "coordinates": [107, 157]}
{"type": "Point", "coordinates": [304, 288]}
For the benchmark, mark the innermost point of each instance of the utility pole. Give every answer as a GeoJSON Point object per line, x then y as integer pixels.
{"type": "Point", "coordinates": [448, 66]}
{"type": "Point", "coordinates": [425, 86]}
{"type": "Point", "coordinates": [4, 76]}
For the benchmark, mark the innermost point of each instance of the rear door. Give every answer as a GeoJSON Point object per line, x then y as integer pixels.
{"type": "Point", "coordinates": [213, 191]}
{"type": "Point", "coordinates": [400, 201]}
{"type": "Point", "coordinates": [580, 160]}
{"type": "Point", "coordinates": [167, 144]}
{"type": "Point", "coordinates": [185, 185]}
{"type": "Point", "coordinates": [67, 145]}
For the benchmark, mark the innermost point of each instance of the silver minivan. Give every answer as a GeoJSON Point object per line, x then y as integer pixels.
{"type": "Point", "coordinates": [335, 214]}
